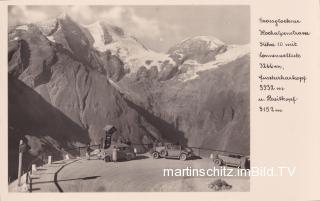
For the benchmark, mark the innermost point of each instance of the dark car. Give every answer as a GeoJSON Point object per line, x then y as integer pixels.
{"type": "Point", "coordinates": [171, 151]}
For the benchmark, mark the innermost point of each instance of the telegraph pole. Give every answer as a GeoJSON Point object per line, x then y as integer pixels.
{"type": "Point", "coordinates": [20, 162]}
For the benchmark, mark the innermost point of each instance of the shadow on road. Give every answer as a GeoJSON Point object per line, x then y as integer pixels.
{"type": "Point", "coordinates": [81, 178]}
{"type": "Point", "coordinates": [35, 189]}
{"type": "Point", "coordinates": [58, 163]}
{"type": "Point", "coordinates": [140, 157]}
{"type": "Point", "coordinates": [41, 169]}
{"type": "Point", "coordinates": [194, 157]}
{"type": "Point", "coordinates": [44, 173]}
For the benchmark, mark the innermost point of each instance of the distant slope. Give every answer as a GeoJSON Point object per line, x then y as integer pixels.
{"type": "Point", "coordinates": [206, 97]}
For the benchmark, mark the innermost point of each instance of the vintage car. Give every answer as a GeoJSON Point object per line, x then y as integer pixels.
{"type": "Point", "coordinates": [111, 151]}
{"type": "Point", "coordinates": [170, 150]}
{"type": "Point", "coordinates": [123, 152]}
{"type": "Point", "coordinates": [235, 160]}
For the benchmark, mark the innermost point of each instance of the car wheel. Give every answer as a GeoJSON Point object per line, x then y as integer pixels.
{"type": "Point", "coordinates": [244, 163]}
{"type": "Point", "coordinates": [217, 161]}
{"type": "Point", "coordinates": [155, 155]}
{"type": "Point", "coordinates": [107, 158]}
{"type": "Point", "coordinates": [163, 153]}
{"type": "Point", "coordinates": [128, 157]}
{"type": "Point", "coordinates": [183, 157]}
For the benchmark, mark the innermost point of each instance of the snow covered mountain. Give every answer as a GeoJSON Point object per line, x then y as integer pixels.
{"type": "Point", "coordinates": [134, 54]}
{"type": "Point", "coordinates": [191, 68]}
{"type": "Point", "coordinates": [200, 48]}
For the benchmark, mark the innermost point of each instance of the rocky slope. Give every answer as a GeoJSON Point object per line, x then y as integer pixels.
{"type": "Point", "coordinates": [66, 81]}
{"type": "Point", "coordinates": [59, 94]}
{"type": "Point", "coordinates": [206, 101]}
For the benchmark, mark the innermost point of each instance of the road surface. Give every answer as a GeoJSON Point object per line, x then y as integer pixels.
{"type": "Point", "coordinates": [143, 174]}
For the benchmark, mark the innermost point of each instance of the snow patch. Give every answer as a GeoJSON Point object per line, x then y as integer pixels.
{"type": "Point", "coordinates": [139, 60]}
{"type": "Point", "coordinates": [134, 55]}
{"type": "Point", "coordinates": [15, 38]}
{"type": "Point", "coordinates": [127, 48]}
{"type": "Point", "coordinates": [51, 38]}
{"type": "Point", "coordinates": [233, 53]}
{"type": "Point", "coordinates": [97, 31]}
{"type": "Point", "coordinates": [179, 54]}
{"type": "Point", "coordinates": [98, 36]}
{"type": "Point", "coordinates": [23, 27]}
{"type": "Point", "coordinates": [191, 62]}
{"type": "Point", "coordinates": [116, 86]}
{"type": "Point", "coordinates": [212, 42]}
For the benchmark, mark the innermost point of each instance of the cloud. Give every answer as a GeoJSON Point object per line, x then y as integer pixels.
{"type": "Point", "coordinates": [127, 18]}
{"type": "Point", "coordinates": [124, 17]}
{"type": "Point", "coordinates": [22, 15]}
{"type": "Point", "coordinates": [147, 29]}
{"type": "Point", "coordinates": [82, 14]}
{"type": "Point", "coordinates": [136, 25]}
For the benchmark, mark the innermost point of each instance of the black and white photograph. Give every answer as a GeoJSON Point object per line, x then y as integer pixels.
{"type": "Point", "coordinates": [140, 98]}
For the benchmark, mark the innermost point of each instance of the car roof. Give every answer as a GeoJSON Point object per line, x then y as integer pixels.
{"type": "Point", "coordinates": [122, 145]}
{"type": "Point", "coordinates": [169, 143]}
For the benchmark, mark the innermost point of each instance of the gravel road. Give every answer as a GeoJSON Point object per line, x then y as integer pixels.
{"type": "Point", "coordinates": [140, 175]}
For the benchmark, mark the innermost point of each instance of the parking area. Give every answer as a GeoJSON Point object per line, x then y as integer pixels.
{"type": "Point", "coordinates": [144, 174]}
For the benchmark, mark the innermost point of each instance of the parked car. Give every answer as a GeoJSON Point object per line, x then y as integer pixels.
{"type": "Point", "coordinates": [235, 160]}
{"type": "Point", "coordinates": [170, 150]}
{"type": "Point", "coordinates": [123, 152]}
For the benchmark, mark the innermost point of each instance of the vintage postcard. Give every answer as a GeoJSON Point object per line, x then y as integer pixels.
{"type": "Point", "coordinates": [217, 99]}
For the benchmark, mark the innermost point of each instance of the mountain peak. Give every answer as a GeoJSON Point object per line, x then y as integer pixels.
{"type": "Point", "coordinates": [212, 41]}
{"type": "Point", "coordinates": [200, 48]}
{"type": "Point", "coordinates": [63, 16]}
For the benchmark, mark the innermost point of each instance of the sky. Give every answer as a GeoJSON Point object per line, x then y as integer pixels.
{"type": "Point", "coordinates": [157, 27]}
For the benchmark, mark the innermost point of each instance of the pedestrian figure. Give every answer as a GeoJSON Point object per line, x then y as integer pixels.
{"type": "Point", "coordinates": [88, 152]}
{"type": "Point", "coordinates": [114, 154]}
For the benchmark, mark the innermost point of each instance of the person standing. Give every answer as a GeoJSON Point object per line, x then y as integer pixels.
{"type": "Point", "coordinates": [114, 154]}
{"type": "Point", "coordinates": [88, 152]}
